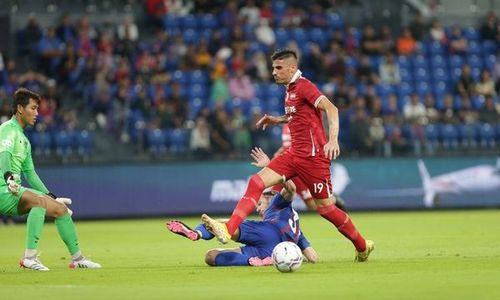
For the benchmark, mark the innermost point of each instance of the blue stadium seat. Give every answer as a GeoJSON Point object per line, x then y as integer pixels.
{"type": "Point", "coordinates": [486, 133]}
{"type": "Point", "coordinates": [274, 90]}
{"type": "Point", "coordinates": [423, 88]}
{"type": "Point", "coordinates": [279, 7]}
{"type": "Point", "coordinates": [190, 36]}
{"type": "Point", "coordinates": [208, 21]}
{"type": "Point", "coordinates": [471, 33]}
{"type": "Point", "coordinates": [384, 90]}
{"type": "Point", "coordinates": [489, 47]}
{"type": "Point", "coordinates": [198, 91]}
{"type": "Point", "coordinates": [420, 61]}
{"type": "Point", "coordinates": [351, 62]}
{"type": "Point", "coordinates": [440, 74]}
{"type": "Point", "coordinates": [497, 129]}
{"type": "Point", "coordinates": [282, 37]}
{"type": "Point", "coordinates": [257, 104]}
{"type": "Point", "coordinates": [157, 141]}
{"type": "Point", "coordinates": [299, 35]}
{"type": "Point", "coordinates": [467, 135]}
{"type": "Point", "coordinates": [456, 61]}
{"type": "Point", "coordinates": [319, 36]}
{"type": "Point", "coordinates": [455, 73]}
{"type": "Point", "coordinates": [199, 77]}
{"type": "Point", "coordinates": [407, 132]}
{"type": "Point", "coordinates": [404, 89]}
{"type": "Point", "coordinates": [335, 21]}
{"type": "Point", "coordinates": [475, 48]}
{"type": "Point", "coordinates": [274, 104]}
{"type": "Point", "coordinates": [406, 75]}
{"type": "Point", "coordinates": [475, 73]}
{"type": "Point", "coordinates": [449, 135]}
{"type": "Point", "coordinates": [84, 143]}
{"type": "Point", "coordinates": [435, 48]}
{"type": "Point", "coordinates": [432, 134]}
{"type": "Point", "coordinates": [63, 143]}
{"type": "Point", "coordinates": [438, 61]}
{"type": "Point", "coordinates": [180, 77]}
{"type": "Point", "coordinates": [490, 61]}
{"type": "Point", "coordinates": [195, 106]}
{"type": "Point", "coordinates": [421, 74]}
{"type": "Point", "coordinates": [178, 140]}
{"type": "Point", "coordinates": [440, 88]}
{"type": "Point", "coordinates": [404, 62]}
{"type": "Point", "coordinates": [189, 22]}
{"type": "Point", "coordinates": [41, 142]}
{"type": "Point", "coordinates": [260, 90]}
{"type": "Point", "coordinates": [475, 61]}
{"type": "Point", "coordinates": [171, 22]}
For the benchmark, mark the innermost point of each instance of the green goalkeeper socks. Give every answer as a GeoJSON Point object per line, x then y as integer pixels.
{"type": "Point", "coordinates": [34, 224]}
{"type": "Point", "coordinates": [67, 232]}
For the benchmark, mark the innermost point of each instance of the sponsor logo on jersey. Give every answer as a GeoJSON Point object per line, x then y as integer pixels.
{"type": "Point", "coordinates": [290, 110]}
{"type": "Point", "coordinates": [7, 143]}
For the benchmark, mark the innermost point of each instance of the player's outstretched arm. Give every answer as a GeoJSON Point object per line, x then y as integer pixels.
{"type": "Point", "coordinates": [271, 120]}
{"type": "Point", "coordinates": [311, 255]}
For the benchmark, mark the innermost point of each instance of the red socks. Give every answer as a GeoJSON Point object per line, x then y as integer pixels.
{"type": "Point", "coordinates": [247, 203]}
{"type": "Point", "coordinates": [344, 224]}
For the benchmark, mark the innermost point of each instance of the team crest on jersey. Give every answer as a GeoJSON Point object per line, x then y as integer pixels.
{"type": "Point", "coordinates": [7, 143]}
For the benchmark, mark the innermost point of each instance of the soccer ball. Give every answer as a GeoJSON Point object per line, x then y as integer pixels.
{"type": "Point", "coordinates": [287, 257]}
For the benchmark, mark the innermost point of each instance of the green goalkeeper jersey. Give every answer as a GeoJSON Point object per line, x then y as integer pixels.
{"type": "Point", "coordinates": [15, 155]}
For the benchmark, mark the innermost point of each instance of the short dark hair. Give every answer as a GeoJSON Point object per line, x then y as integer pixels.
{"type": "Point", "coordinates": [284, 53]}
{"type": "Point", "coordinates": [22, 97]}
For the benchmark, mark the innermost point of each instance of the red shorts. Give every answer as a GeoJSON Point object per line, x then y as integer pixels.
{"type": "Point", "coordinates": [313, 171]}
{"type": "Point", "coordinates": [300, 187]}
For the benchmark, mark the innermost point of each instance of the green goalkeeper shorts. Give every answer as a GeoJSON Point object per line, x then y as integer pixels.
{"type": "Point", "coordinates": [9, 201]}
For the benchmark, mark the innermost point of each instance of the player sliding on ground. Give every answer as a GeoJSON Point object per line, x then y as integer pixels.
{"type": "Point", "coordinates": [309, 156]}
{"type": "Point", "coordinates": [38, 202]}
{"type": "Point", "coordinates": [280, 222]}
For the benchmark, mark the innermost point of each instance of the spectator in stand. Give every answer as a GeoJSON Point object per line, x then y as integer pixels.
{"type": "Point", "coordinates": [50, 49]}
{"type": "Point", "coordinates": [364, 72]}
{"type": "Point", "coordinates": [266, 11]}
{"type": "Point", "coordinates": [264, 33]}
{"type": "Point", "coordinates": [240, 86]}
{"type": "Point", "coordinates": [317, 16]}
{"type": "Point", "coordinates": [387, 39]}
{"type": "Point", "coordinates": [199, 142]}
{"type": "Point", "coordinates": [389, 70]}
{"type": "Point", "coordinates": [250, 13]}
{"type": "Point", "coordinates": [359, 131]}
{"type": "Point", "coordinates": [370, 43]}
{"type": "Point", "coordinates": [258, 67]}
{"type": "Point", "coordinates": [241, 133]}
{"type": "Point", "coordinates": [293, 17]}
{"type": "Point", "coordinates": [458, 43]}
{"type": "Point", "coordinates": [229, 14]}
{"type": "Point", "coordinates": [414, 111]}
{"type": "Point", "coordinates": [467, 114]}
{"type": "Point", "coordinates": [351, 41]}
{"type": "Point", "coordinates": [437, 32]}
{"type": "Point", "coordinates": [180, 7]}
{"type": "Point", "coordinates": [392, 116]}
{"type": "Point", "coordinates": [466, 84]}
{"type": "Point", "coordinates": [486, 85]}
{"type": "Point", "coordinates": [219, 136]}
{"type": "Point", "coordinates": [490, 113]}
{"type": "Point", "coordinates": [179, 105]}
{"type": "Point", "coordinates": [406, 43]}
{"type": "Point", "coordinates": [489, 30]}
{"type": "Point", "coordinates": [377, 135]}
{"type": "Point", "coordinates": [449, 114]}
{"type": "Point", "coordinates": [32, 34]}
{"type": "Point", "coordinates": [418, 27]}
{"type": "Point", "coordinates": [431, 113]}
{"type": "Point", "coordinates": [334, 63]}
{"type": "Point", "coordinates": [157, 10]}
{"type": "Point", "coordinates": [128, 30]}
{"type": "Point", "coordinates": [66, 32]}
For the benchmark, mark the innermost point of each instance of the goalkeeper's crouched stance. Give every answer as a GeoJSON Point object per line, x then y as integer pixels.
{"type": "Point", "coordinates": [38, 202]}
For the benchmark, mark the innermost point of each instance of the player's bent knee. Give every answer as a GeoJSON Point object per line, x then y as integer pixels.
{"type": "Point", "coordinates": [210, 257]}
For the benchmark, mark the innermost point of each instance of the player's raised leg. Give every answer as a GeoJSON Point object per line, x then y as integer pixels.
{"type": "Point", "coordinates": [256, 185]}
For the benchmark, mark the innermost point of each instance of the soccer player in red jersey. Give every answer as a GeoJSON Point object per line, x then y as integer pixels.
{"type": "Point", "coordinates": [308, 157]}
{"type": "Point", "coordinates": [301, 188]}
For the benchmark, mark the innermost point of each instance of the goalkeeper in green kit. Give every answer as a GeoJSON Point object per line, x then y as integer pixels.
{"type": "Point", "coordinates": [38, 202]}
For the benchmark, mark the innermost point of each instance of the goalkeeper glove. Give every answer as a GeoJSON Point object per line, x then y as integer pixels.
{"type": "Point", "coordinates": [62, 200]}
{"type": "Point", "coordinates": [12, 185]}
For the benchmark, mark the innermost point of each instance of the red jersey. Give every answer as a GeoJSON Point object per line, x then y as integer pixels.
{"type": "Point", "coordinates": [304, 119]}
{"type": "Point", "coordinates": [286, 138]}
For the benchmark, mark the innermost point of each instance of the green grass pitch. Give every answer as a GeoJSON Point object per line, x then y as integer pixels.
{"type": "Point", "coordinates": [418, 255]}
